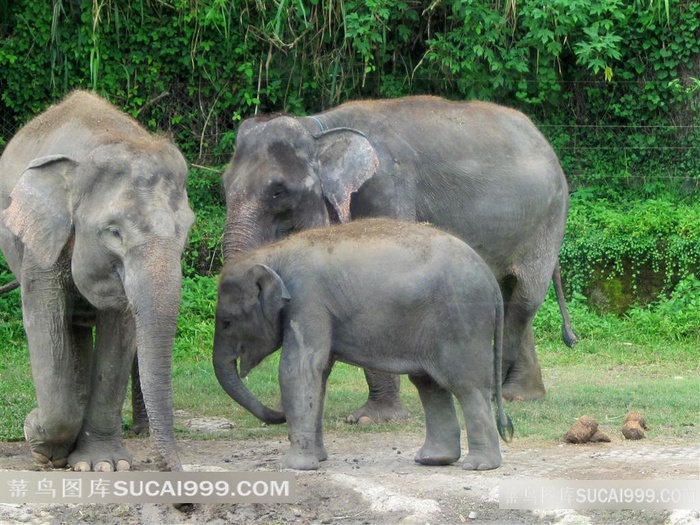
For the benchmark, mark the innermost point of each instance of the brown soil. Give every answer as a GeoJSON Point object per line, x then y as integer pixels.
{"type": "Point", "coordinates": [372, 478]}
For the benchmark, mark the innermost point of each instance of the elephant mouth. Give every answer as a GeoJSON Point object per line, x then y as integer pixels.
{"type": "Point", "coordinates": [247, 363]}
{"type": "Point", "coordinates": [244, 368]}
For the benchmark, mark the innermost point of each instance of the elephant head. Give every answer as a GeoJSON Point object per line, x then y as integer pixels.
{"type": "Point", "coordinates": [283, 178]}
{"type": "Point", "coordinates": [118, 212]}
{"type": "Point", "coordinates": [248, 327]}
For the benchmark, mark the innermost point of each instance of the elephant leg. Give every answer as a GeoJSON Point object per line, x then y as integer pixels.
{"type": "Point", "coordinates": [482, 436]}
{"type": "Point", "coordinates": [99, 446]}
{"type": "Point", "coordinates": [383, 403]}
{"type": "Point", "coordinates": [83, 344]}
{"type": "Point", "coordinates": [522, 376]}
{"type": "Point", "coordinates": [52, 428]}
{"type": "Point", "coordinates": [138, 405]}
{"type": "Point", "coordinates": [321, 453]}
{"type": "Point", "coordinates": [304, 366]}
{"type": "Point", "coordinates": [442, 431]}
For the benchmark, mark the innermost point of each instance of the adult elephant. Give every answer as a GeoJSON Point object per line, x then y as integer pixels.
{"type": "Point", "coordinates": [93, 221]}
{"type": "Point", "coordinates": [480, 171]}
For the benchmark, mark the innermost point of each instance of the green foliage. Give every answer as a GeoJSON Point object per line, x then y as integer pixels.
{"type": "Point", "coordinates": [196, 68]}
{"type": "Point", "coordinates": [658, 236]}
{"type": "Point", "coordinates": [11, 329]}
{"type": "Point", "coordinates": [519, 52]}
{"type": "Point", "coordinates": [204, 253]}
{"type": "Point", "coordinates": [196, 324]}
{"type": "Point", "coordinates": [16, 387]}
{"type": "Point", "coordinates": [674, 319]}
{"type": "Point", "coordinates": [662, 323]}
{"type": "Point", "coordinates": [613, 85]}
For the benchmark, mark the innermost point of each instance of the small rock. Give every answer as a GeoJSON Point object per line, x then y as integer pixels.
{"type": "Point", "coordinates": [472, 515]}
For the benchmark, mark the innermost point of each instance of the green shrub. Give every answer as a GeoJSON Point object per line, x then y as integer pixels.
{"type": "Point", "coordinates": [204, 253]}
{"type": "Point", "coordinates": [632, 239]}
{"type": "Point", "coordinates": [675, 318]}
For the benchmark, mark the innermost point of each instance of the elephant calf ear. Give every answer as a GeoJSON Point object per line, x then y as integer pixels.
{"type": "Point", "coordinates": [39, 212]}
{"type": "Point", "coordinates": [273, 293]}
{"type": "Point", "coordinates": [347, 160]}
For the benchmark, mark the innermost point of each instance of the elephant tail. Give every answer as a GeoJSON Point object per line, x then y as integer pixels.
{"type": "Point", "coordinates": [567, 333]}
{"type": "Point", "coordinates": [503, 422]}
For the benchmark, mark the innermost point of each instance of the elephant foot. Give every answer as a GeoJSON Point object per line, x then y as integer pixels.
{"type": "Point", "coordinates": [298, 461]}
{"type": "Point", "coordinates": [378, 412]}
{"type": "Point", "coordinates": [321, 453]}
{"type": "Point", "coordinates": [140, 427]}
{"type": "Point", "coordinates": [482, 461]}
{"type": "Point", "coordinates": [100, 457]}
{"type": "Point", "coordinates": [49, 446]}
{"type": "Point", "coordinates": [55, 463]}
{"type": "Point", "coordinates": [305, 452]}
{"type": "Point", "coordinates": [516, 391]}
{"type": "Point", "coordinates": [437, 455]}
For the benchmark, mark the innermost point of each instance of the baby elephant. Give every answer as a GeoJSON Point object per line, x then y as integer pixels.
{"type": "Point", "coordinates": [395, 297]}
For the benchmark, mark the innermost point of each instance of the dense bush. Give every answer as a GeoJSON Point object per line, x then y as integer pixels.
{"type": "Point", "coordinates": [197, 67]}
{"type": "Point", "coordinates": [612, 84]}
{"type": "Point", "coordinates": [646, 244]}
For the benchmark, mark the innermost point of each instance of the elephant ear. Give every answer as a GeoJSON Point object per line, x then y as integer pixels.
{"type": "Point", "coordinates": [39, 212]}
{"type": "Point", "coordinates": [347, 160]}
{"type": "Point", "coordinates": [273, 293]}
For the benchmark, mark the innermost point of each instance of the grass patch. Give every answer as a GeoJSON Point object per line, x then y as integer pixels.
{"type": "Point", "coordinates": [606, 390]}
{"type": "Point", "coordinates": [612, 370]}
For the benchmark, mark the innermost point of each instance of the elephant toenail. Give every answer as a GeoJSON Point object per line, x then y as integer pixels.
{"type": "Point", "coordinates": [81, 466]}
{"type": "Point", "coordinates": [104, 466]}
{"type": "Point", "coordinates": [123, 465]}
{"type": "Point", "coordinates": [60, 463]}
{"type": "Point", "coordinates": [40, 458]}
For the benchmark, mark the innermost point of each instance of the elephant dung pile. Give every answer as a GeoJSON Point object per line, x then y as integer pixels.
{"type": "Point", "coordinates": [585, 429]}
{"type": "Point", "coordinates": [634, 426]}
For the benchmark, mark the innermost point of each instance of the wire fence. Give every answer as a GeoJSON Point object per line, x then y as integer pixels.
{"type": "Point", "coordinates": [205, 132]}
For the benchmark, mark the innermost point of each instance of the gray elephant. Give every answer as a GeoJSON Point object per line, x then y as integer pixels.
{"type": "Point", "coordinates": [396, 297]}
{"type": "Point", "coordinates": [93, 222]}
{"type": "Point", "coordinates": [480, 171]}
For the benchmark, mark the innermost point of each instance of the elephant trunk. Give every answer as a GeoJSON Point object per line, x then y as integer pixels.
{"type": "Point", "coordinates": [244, 231]}
{"type": "Point", "coordinates": [153, 290]}
{"type": "Point", "coordinates": [226, 370]}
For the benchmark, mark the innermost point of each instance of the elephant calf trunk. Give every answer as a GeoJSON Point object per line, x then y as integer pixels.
{"type": "Point", "coordinates": [226, 370]}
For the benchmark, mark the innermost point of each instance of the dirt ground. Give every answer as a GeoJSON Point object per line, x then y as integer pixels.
{"type": "Point", "coordinates": [372, 478]}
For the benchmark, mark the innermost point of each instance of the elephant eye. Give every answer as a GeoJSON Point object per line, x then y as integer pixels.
{"type": "Point", "coordinates": [278, 190]}
{"type": "Point", "coordinates": [112, 235]}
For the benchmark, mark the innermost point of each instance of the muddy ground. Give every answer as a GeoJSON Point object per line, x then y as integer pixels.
{"type": "Point", "coordinates": [371, 478]}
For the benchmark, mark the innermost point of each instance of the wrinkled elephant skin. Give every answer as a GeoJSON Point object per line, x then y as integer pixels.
{"type": "Point", "coordinates": [480, 171]}
{"type": "Point", "coordinates": [93, 221]}
{"type": "Point", "coordinates": [396, 297]}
